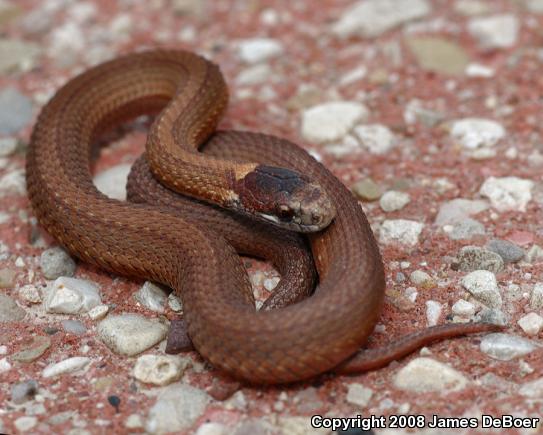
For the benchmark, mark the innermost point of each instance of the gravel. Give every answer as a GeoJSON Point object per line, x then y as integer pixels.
{"type": "Point", "coordinates": [159, 369]}
{"type": "Point", "coordinates": [505, 347]}
{"type": "Point", "coordinates": [152, 296]}
{"type": "Point", "coordinates": [68, 365]}
{"type": "Point", "coordinates": [367, 190]}
{"type": "Point", "coordinates": [10, 311]}
{"type": "Point", "coordinates": [112, 181]}
{"type": "Point", "coordinates": [359, 395]}
{"type": "Point", "coordinates": [459, 209]}
{"type": "Point", "coordinates": [402, 231]}
{"type": "Point", "coordinates": [495, 32]}
{"type": "Point", "coordinates": [259, 49]}
{"type": "Point", "coordinates": [72, 296]}
{"type": "Point", "coordinates": [531, 323]}
{"type": "Point", "coordinates": [483, 286]}
{"type": "Point", "coordinates": [394, 200]}
{"type": "Point", "coordinates": [474, 133]}
{"type": "Point", "coordinates": [376, 138]}
{"type": "Point", "coordinates": [15, 110]}
{"type": "Point", "coordinates": [508, 193]}
{"type": "Point", "coordinates": [509, 252]}
{"type": "Point", "coordinates": [472, 258]}
{"type": "Point", "coordinates": [56, 262]}
{"type": "Point", "coordinates": [423, 375]}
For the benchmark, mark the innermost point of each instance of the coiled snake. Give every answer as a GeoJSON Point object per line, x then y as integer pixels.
{"type": "Point", "coordinates": [137, 239]}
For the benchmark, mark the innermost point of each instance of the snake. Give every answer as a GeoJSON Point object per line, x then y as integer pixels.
{"type": "Point", "coordinates": [198, 197]}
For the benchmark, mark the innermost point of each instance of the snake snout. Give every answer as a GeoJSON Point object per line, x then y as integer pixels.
{"type": "Point", "coordinates": [316, 210]}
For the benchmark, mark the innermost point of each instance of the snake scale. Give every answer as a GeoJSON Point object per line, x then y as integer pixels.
{"type": "Point", "coordinates": [155, 239]}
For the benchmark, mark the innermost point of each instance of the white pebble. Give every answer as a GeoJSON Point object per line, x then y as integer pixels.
{"type": "Point", "coordinates": [508, 193]}
{"type": "Point", "coordinates": [66, 366]}
{"type": "Point", "coordinates": [425, 375]}
{"type": "Point", "coordinates": [401, 231]}
{"type": "Point", "coordinates": [259, 49]}
{"type": "Point", "coordinates": [376, 138]}
{"type": "Point", "coordinates": [359, 395]}
{"type": "Point", "coordinates": [30, 294]}
{"type": "Point", "coordinates": [477, 132]}
{"type": "Point", "coordinates": [531, 323]}
{"type": "Point", "coordinates": [497, 31]}
{"type": "Point", "coordinates": [112, 181]}
{"type": "Point", "coordinates": [433, 312]}
{"type": "Point", "coordinates": [4, 365]}
{"type": "Point", "coordinates": [505, 347]}
{"type": "Point", "coordinates": [159, 369]}
{"type": "Point", "coordinates": [152, 296]}
{"type": "Point", "coordinates": [71, 296]}
{"type": "Point", "coordinates": [98, 312]}
{"type": "Point", "coordinates": [478, 70]}
{"type": "Point", "coordinates": [463, 308]}
{"type": "Point", "coordinates": [394, 200]}
{"type": "Point", "coordinates": [483, 286]}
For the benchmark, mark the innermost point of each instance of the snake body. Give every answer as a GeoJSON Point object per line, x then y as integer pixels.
{"type": "Point", "coordinates": [155, 242]}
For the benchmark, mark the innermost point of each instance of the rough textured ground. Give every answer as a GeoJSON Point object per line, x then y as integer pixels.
{"type": "Point", "coordinates": [430, 111]}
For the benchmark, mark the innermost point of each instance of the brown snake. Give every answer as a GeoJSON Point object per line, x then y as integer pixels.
{"type": "Point", "coordinates": [312, 336]}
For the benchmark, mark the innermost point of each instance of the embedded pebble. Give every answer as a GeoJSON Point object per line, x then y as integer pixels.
{"type": "Point", "coordinates": [15, 110]}
{"type": "Point", "coordinates": [421, 279]}
{"type": "Point", "coordinates": [9, 310]}
{"type": "Point", "coordinates": [212, 428]}
{"type": "Point", "coordinates": [25, 423]}
{"type": "Point", "coordinates": [536, 298]}
{"type": "Point", "coordinates": [463, 308]}
{"type": "Point", "coordinates": [5, 366]}
{"type": "Point", "coordinates": [30, 293]}
{"type": "Point", "coordinates": [177, 408]}
{"type": "Point", "coordinates": [478, 70]}
{"type": "Point", "coordinates": [459, 209]}
{"type": "Point", "coordinates": [507, 193]}
{"type": "Point", "coordinates": [366, 190]}
{"type": "Point", "coordinates": [433, 312]}
{"type": "Point", "coordinates": [7, 278]}
{"type": "Point", "coordinates": [505, 347]}
{"type": "Point", "coordinates": [471, 7]}
{"type": "Point", "coordinates": [259, 49]}
{"type": "Point", "coordinates": [133, 421]}
{"type": "Point", "coordinates": [23, 391]}
{"type": "Point", "coordinates": [174, 303]}
{"type": "Point", "coordinates": [56, 262]}
{"type": "Point", "coordinates": [68, 365]}
{"type": "Point", "coordinates": [8, 145]}
{"type": "Point", "coordinates": [472, 258]}
{"type": "Point", "coordinates": [416, 112]}
{"type": "Point", "coordinates": [394, 200]}
{"type": "Point", "coordinates": [532, 389]}
{"type": "Point", "coordinates": [466, 229]}
{"type": "Point", "coordinates": [491, 315]}
{"type": "Point", "coordinates": [376, 138]}
{"type": "Point", "coordinates": [331, 121]}
{"type": "Point", "coordinates": [98, 312]}
{"type": "Point", "coordinates": [425, 375]}
{"type": "Point", "coordinates": [33, 350]}
{"type": "Point", "coordinates": [152, 296]}
{"type": "Point", "coordinates": [531, 323]}
{"type": "Point", "coordinates": [159, 369]}
{"type": "Point", "coordinates": [72, 296]}
{"type": "Point", "coordinates": [483, 286]}
{"type": "Point", "coordinates": [371, 18]}
{"type": "Point", "coordinates": [74, 327]}
{"type": "Point", "coordinates": [509, 252]}
{"type": "Point", "coordinates": [17, 55]}
{"type": "Point", "coordinates": [496, 31]}
{"type": "Point", "coordinates": [438, 54]}
{"type": "Point", "coordinates": [401, 231]}
{"type": "Point", "coordinates": [253, 75]}
{"type": "Point", "coordinates": [130, 334]}
{"type": "Point", "coordinates": [359, 395]}
{"type": "Point", "coordinates": [13, 183]}
{"type": "Point", "coordinates": [112, 181]}
{"type": "Point", "coordinates": [474, 133]}
{"type": "Point", "coordinates": [534, 254]}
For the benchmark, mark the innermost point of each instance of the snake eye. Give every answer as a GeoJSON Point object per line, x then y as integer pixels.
{"type": "Point", "coordinates": [284, 212]}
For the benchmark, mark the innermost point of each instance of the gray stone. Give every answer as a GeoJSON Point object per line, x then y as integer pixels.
{"type": "Point", "coordinates": [366, 190]}
{"type": "Point", "coordinates": [474, 133]}
{"type": "Point", "coordinates": [536, 298]}
{"type": "Point", "coordinates": [68, 365]}
{"type": "Point", "coordinates": [56, 262]}
{"type": "Point", "coordinates": [376, 138]}
{"type": "Point", "coordinates": [130, 334]}
{"type": "Point", "coordinates": [491, 315]}
{"type": "Point", "coordinates": [30, 294]}
{"type": "Point", "coordinates": [259, 49]}
{"type": "Point", "coordinates": [253, 75]}
{"type": "Point", "coordinates": [33, 350]}
{"type": "Point", "coordinates": [425, 375]}
{"type": "Point", "coordinates": [7, 278]}
{"type": "Point", "coordinates": [9, 310]}
{"type": "Point", "coordinates": [393, 200]}
{"type": "Point", "coordinates": [16, 55]}
{"type": "Point", "coordinates": [402, 231]}
{"type": "Point", "coordinates": [112, 181]}
{"type": "Point", "coordinates": [177, 408]}
{"type": "Point", "coordinates": [371, 18]}
{"type": "Point", "coordinates": [535, 6]}
{"type": "Point", "coordinates": [74, 327]}
{"type": "Point", "coordinates": [483, 286]}
{"type": "Point", "coordinates": [459, 209]}
{"type": "Point", "coordinates": [496, 31]}
{"type": "Point", "coordinates": [438, 54]}
{"type": "Point", "coordinates": [159, 369]}
{"type": "Point", "coordinates": [505, 347]}
{"type": "Point", "coordinates": [508, 193]}
{"type": "Point", "coordinates": [534, 254]}
{"type": "Point", "coordinates": [25, 423]}
{"type": "Point", "coordinates": [359, 395]}
{"type": "Point", "coordinates": [13, 182]}
{"type": "Point", "coordinates": [152, 296]}
{"type": "Point", "coordinates": [509, 252]}
{"type": "Point", "coordinates": [531, 323]}
{"type": "Point", "coordinates": [212, 428]}
{"type": "Point", "coordinates": [15, 110]}
{"type": "Point", "coordinates": [473, 258]}
{"type": "Point", "coordinates": [72, 296]}
{"type": "Point", "coordinates": [467, 229]}
{"type": "Point", "coordinates": [463, 308]}
{"type": "Point", "coordinates": [8, 145]}
{"type": "Point", "coordinates": [471, 7]}
{"type": "Point", "coordinates": [23, 391]}
{"type": "Point", "coordinates": [532, 389]}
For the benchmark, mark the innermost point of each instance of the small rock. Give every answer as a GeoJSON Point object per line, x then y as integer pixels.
{"type": "Point", "coordinates": [33, 350]}
{"type": "Point", "coordinates": [452, 212]}
{"type": "Point", "coordinates": [509, 252]}
{"type": "Point", "coordinates": [371, 18]}
{"type": "Point", "coordinates": [259, 49]}
{"type": "Point", "coordinates": [376, 138]}
{"type": "Point", "coordinates": [152, 296]}
{"type": "Point", "coordinates": [7, 278]}
{"type": "Point", "coordinates": [483, 286]}
{"type": "Point", "coordinates": [9, 310]}
{"type": "Point", "coordinates": [474, 133]}
{"type": "Point", "coordinates": [130, 334]}
{"type": "Point", "coordinates": [74, 327]}
{"type": "Point", "coordinates": [505, 347]}
{"type": "Point", "coordinates": [8, 11]}
{"type": "Point", "coordinates": [479, 71]}
{"type": "Point", "coordinates": [507, 193]}
{"type": "Point", "coordinates": [25, 423]}
{"type": "Point", "coordinates": [253, 75]}
{"type": "Point", "coordinates": [535, 6]}
{"type": "Point", "coordinates": [23, 391]}
{"type": "Point", "coordinates": [212, 428]}
{"type": "Point", "coordinates": [98, 312]}
{"type": "Point", "coordinates": [425, 375]}
{"type": "Point", "coordinates": [471, 7]}
{"type": "Point", "coordinates": [421, 279]}
{"type": "Point", "coordinates": [534, 254]}
{"type": "Point", "coordinates": [196, 8]}
{"type": "Point", "coordinates": [68, 365]}
{"type": "Point", "coordinates": [359, 395]}
{"type": "Point", "coordinates": [159, 369]}
{"type": "Point", "coordinates": [433, 312]}
{"type": "Point", "coordinates": [13, 182]}
{"type": "Point", "coordinates": [491, 315]}
{"type": "Point", "coordinates": [467, 229]}
{"type": "Point", "coordinates": [112, 181]}
{"type": "Point", "coordinates": [174, 303]}
{"type": "Point", "coordinates": [15, 110]}
{"type": "Point", "coordinates": [416, 112]}
{"type": "Point", "coordinates": [531, 323]}
{"type": "Point", "coordinates": [56, 262]}
{"type": "Point", "coordinates": [72, 296]}
{"type": "Point", "coordinates": [497, 31]}
{"type": "Point", "coordinates": [30, 293]}
{"type": "Point", "coordinates": [532, 389]}
{"type": "Point", "coordinates": [536, 299]}
{"type": "Point", "coordinates": [5, 366]}
{"type": "Point", "coordinates": [463, 308]}
{"type": "Point", "coordinates": [308, 400]}
{"type": "Point", "coordinates": [394, 200]}
{"type": "Point", "coordinates": [366, 190]}
{"type": "Point", "coordinates": [401, 231]}
{"type": "Point", "coordinates": [177, 408]}
{"type": "Point", "coordinates": [438, 54]}
{"type": "Point", "coordinates": [331, 121]}
{"type": "Point", "coordinates": [473, 258]}
{"type": "Point", "coordinates": [134, 421]}
{"type": "Point", "coordinates": [17, 56]}
{"type": "Point", "coordinates": [8, 145]}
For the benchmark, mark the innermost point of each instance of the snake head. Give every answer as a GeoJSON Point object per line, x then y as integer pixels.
{"type": "Point", "coordinates": [284, 198]}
